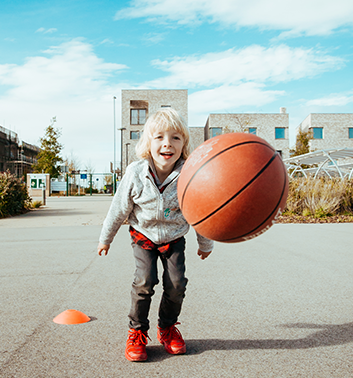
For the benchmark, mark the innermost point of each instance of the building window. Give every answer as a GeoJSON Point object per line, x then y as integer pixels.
{"type": "Point", "coordinates": [252, 130]}
{"type": "Point", "coordinates": [137, 116]}
{"type": "Point", "coordinates": [317, 132]}
{"type": "Point", "coordinates": [280, 133]}
{"type": "Point", "coordinates": [214, 131]}
{"type": "Point", "coordinates": [350, 132]}
{"type": "Point", "coordinates": [134, 135]}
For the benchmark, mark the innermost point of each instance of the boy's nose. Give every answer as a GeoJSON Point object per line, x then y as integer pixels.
{"type": "Point", "coordinates": [167, 142]}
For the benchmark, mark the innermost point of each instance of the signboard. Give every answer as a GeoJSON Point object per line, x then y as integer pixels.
{"type": "Point", "coordinates": [83, 176]}
{"type": "Point", "coordinates": [38, 185]}
{"type": "Point", "coordinates": [58, 186]}
{"type": "Point", "coordinates": [38, 181]}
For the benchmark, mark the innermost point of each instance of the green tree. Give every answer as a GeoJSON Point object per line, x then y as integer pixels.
{"type": "Point", "coordinates": [302, 143]}
{"type": "Point", "coordinates": [49, 156]}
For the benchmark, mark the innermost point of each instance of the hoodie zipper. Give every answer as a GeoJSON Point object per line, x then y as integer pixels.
{"type": "Point", "coordinates": [160, 207]}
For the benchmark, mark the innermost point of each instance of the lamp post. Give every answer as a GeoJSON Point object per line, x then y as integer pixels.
{"type": "Point", "coordinates": [121, 150]}
{"type": "Point", "coordinates": [127, 153]}
{"type": "Point", "coordinates": [114, 162]}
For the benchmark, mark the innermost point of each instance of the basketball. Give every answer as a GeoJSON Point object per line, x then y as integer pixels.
{"type": "Point", "coordinates": [233, 187]}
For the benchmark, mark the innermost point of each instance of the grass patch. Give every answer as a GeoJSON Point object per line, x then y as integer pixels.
{"type": "Point", "coordinates": [36, 204]}
{"type": "Point", "coordinates": [319, 199]}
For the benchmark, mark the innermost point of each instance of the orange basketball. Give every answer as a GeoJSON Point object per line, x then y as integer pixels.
{"type": "Point", "coordinates": [233, 187]}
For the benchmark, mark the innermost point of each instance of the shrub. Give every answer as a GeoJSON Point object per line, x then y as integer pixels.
{"type": "Point", "coordinates": [36, 204]}
{"type": "Point", "coordinates": [88, 191]}
{"type": "Point", "coordinates": [14, 197]}
{"type": "Point", "coordinates": [320, 197]}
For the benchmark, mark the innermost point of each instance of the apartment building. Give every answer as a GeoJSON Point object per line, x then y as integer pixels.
{"type": "Point", "coordinates": [273, 127]}
{"type": "Point", "coordinates": [329, 130]}
{"type": "Point", "coordinates": [15, 155]}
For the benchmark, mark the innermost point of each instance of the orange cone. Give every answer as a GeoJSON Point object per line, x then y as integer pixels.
{"type": "Point", "coordinates": [71, 317]}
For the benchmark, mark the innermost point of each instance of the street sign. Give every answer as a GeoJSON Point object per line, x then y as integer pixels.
{"type": "Point", "coordinates": [41, 183]}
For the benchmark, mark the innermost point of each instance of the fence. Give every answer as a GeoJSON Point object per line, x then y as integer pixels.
{"type": "Point", "coordinates": [84, 183]}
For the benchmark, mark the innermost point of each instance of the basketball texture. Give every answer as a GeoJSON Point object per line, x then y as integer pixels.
{"type": "Point", "coordinates": [233, 187]}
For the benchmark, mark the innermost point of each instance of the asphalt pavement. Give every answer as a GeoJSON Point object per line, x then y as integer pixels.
{"type": "Point", "coordinates": [279, 305]}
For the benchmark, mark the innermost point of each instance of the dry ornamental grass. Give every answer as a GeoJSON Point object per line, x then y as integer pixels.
{"type": "Point", "coordinates": [320, 200]}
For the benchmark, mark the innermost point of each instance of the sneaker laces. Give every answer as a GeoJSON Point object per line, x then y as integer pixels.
{"type": "Point", "coordinates": [170, 333]}
{"type": "Point", "coordinates": [138, 337]}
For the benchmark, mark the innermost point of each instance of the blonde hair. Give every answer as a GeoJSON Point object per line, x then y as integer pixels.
{"type": "Point", "coordinates": [163, 119]}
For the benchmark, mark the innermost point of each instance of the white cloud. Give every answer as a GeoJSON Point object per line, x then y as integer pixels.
{"type": "Point", "coordinates": [226, 98]}
{"type": "Point", "coordinates": [106, 41]}
{"type": "Point", "coordinates": [51, 30]}
{"type": "Point", "coordinates": [226, 81]}
{"type": "Point", "coordinates": [153, 38]}
{"type": "Point", "coordinates": [253, 63]}
{"type": "Point", "coordinates": [335, 99]}
{"type": "Point", "coordinates": [70, 82]}
{"type": "Point", "coordinates": [68, 71]}
{"type": "Point", "coordinates": [315, 17]}
{"type": "Point", "coordinates": [46, 31]}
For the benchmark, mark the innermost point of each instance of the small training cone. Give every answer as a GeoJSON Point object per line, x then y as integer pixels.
{"type": "Point", "coordinates": [71, 317]}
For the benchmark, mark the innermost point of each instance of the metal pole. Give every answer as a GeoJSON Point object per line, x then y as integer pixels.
{"type": "Point", "coordinates": [114, 163]}
{"type": "Point", "coordinates": [67, 184]}
{"type": "Point", "coordinates": [121, 151]}
{"type": "Point", "coordinates": [127, 153]}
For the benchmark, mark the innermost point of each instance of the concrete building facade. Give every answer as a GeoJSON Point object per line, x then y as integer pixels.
{"type": "Point", "coordinates": [329, 130]}
{"type": "Point", "coordinates": [274, 128]}
{"type": "Point", "coordinates": [197, 136]}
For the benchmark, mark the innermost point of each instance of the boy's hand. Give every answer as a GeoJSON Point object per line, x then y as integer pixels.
{"type": "Point", "coordinates": [103, 247]}
{"type": "Point", "coordinates": [203, 255]}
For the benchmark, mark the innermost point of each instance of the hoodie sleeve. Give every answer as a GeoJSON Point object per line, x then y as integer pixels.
{"type": "Point", "coordinates": [120, 208]}
{"type": "Point", "coordinates": [205, 245]}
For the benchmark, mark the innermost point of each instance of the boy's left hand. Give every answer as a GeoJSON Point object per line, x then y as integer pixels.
{"type": "Point", "coordinates": [203, 255]}
{"type": "Point", "coordinates": [103, 248]}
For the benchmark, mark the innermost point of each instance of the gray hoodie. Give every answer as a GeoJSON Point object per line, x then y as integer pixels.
{"type": "Point", "coordinates": [156, 215]}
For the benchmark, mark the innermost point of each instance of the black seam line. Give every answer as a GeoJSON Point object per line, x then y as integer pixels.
{"type": "Point", "coordinates": [219, 153]}
{"type": "Point", "coordinates": [241, 190]}
{"type": "Point", "coordinates": [275, 208]}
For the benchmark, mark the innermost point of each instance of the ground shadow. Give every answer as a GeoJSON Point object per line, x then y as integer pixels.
{"type": "Point", "coordinates": [53, 212]}
{"type": "Point", "coordinates": [328, 335]}
{"type": "Point", "coordinates": [156, 353]}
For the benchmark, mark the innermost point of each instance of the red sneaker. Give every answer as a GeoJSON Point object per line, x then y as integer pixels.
{"type": "Point", "coordinates": [171, 339]}
{"type": "Point", "coordinates": [136, 345]}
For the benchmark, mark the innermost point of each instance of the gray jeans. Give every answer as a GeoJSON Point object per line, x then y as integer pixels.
{"type": "Point", "coordinates": [146, 277]}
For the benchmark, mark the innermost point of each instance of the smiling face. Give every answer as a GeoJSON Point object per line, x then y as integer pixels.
{"type": "Point", "coordinates": [166, 148]}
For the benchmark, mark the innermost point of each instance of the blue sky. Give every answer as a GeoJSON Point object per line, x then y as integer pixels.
{"type": "Point", "coordinates": [69, 58]}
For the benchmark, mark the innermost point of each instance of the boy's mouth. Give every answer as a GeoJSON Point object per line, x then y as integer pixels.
{"type": "Point", "coordinates": [167, 155]}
